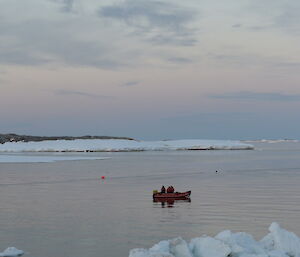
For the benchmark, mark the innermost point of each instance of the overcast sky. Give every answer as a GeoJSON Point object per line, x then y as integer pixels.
{"type": "Point", "coordinates": [151, 69]}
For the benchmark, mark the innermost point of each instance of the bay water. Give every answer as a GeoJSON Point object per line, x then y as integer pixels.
{"type": "Point", "coordinates": [65, 209]}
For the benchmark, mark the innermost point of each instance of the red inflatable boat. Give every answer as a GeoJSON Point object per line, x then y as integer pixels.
{"type": "Point", "coordinates": [175, 196]}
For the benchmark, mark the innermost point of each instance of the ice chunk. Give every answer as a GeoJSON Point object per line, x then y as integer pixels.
{"type": "Point", "coordinates": [277, 253]}
{"type": "Point", "coordinates": [282, 240]}
{"type": "Point", "coordinates": [209, 247]}
{"type": "Point", "coordinates": [227, 237]}
{"type": "Point", "coordinates": [241, 243]}
{"type": "Point", "coordinates": [163, 246]}
{"type": "Point", "coordinates": [267, 242]}
{"type": "Point", "coordinates": [179, 248]}
{"type": "Point", "coordinates": [11, 252]}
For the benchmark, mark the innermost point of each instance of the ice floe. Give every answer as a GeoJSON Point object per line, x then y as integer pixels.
{"type": "Point", "coordinates": [278, 243]}
{"type": "Point", "coordinates": [86, 145]}
{"type": "Point", "coordinates": [11, 252]}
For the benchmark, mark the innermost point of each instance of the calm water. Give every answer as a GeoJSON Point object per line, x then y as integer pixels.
{"type": "Point", "coordinates": [63, 209]}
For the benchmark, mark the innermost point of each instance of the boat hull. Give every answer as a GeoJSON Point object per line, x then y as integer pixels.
{"type": "Point", "coordinates": [175, 196]}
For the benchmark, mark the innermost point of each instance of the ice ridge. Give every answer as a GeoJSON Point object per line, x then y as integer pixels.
{"type": "Point", "coordinates": [277, 243]}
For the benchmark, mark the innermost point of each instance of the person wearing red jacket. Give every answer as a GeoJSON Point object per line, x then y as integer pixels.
{"type": "Point", "coordinates": [170, 189]}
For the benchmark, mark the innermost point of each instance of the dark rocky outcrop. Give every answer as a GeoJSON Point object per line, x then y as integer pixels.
{"type": "Point", "coordinates": [24, 138]}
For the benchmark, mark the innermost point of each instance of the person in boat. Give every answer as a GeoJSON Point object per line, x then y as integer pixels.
{"type": "Point", "coordinates": [163, 189]}
{"type": "Point", "coordinates": [170, 189]}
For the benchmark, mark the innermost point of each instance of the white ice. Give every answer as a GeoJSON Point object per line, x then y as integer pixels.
{"type": "Point", "coordinates": [11, 252]}
{"type": "Point", "coordinates": [278, 243]}
{"type": "Point", "coordinates": [272, 141]}
{"type": "Point", "coordinates": [82, 145]}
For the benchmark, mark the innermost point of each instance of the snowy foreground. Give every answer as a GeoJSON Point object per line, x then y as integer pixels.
{"type": "Point", "coordinates": [278, 243]}
{"type": "Point", "coordinates": [111, 145]}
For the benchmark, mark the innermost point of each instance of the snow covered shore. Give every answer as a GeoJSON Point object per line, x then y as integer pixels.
{"type": "Point", "coordinates": [278, 243]}
{"type": "Point", "coordinates": [111, 145]}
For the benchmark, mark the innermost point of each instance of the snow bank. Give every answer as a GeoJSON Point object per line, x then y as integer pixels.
{"type": "Point", "coordinates": [11, 252]}
{"type": "Point", "coordinates": [278, 243]}
{"type": "Point", "coordinates": [85, 145]}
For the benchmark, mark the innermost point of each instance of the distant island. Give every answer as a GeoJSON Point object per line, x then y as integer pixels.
{"type": "Point", "coordinates": [25, 138]}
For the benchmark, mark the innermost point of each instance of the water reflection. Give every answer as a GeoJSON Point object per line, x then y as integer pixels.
{"type": "Point", "coordinates": [169, 203]}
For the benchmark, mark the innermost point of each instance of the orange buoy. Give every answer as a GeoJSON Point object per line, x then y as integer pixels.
{"type": "Point", "coordinates": [102, 177]}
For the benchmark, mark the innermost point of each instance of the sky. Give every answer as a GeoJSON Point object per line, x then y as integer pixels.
{"type": "Point", "coordinates": [164, 69]}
